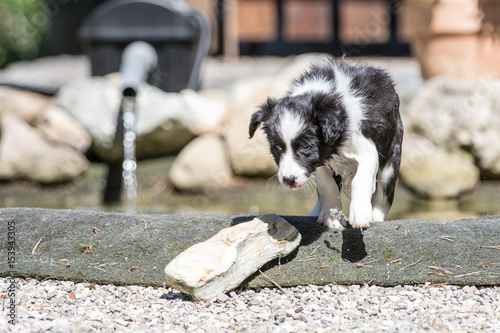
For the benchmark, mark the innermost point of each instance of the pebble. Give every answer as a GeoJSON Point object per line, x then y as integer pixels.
{"type": "Point", "coordinates": [48, 306]}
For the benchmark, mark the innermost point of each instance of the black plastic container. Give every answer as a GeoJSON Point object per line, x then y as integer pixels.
{"type": "Point", "coordinates": [180, 35]}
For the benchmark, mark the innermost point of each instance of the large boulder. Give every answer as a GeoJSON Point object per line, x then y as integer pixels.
{"type": "Point", "coordinates": [52, 71]}
{"type": "Point", "coordinates": [251, 157]}
{"type": "Point", "coordinates": [460, 114]}
{"type": "Point", "coordinates": [25, 104]}
{"type": "Point", "coordinates": [434, 172]}
{"type": "Point", "coordinates": [203, 165]}
{"type": "Point", "coordinates": [162, 123]}
{"type": "Point", "coordinates": [208, 110]}
{"type": "Point", "coordinates": [26, 154]}
{"type": "Point", "coordinates": [39, 142]}
{"type": "Point", "coordinates": [59, 127]}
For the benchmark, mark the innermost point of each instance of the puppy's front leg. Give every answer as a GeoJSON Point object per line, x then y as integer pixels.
{"type": "Point", "coordinates": [364, 183]}
{"type": "Point", "coordinates": [362, 188]}
{"type": "Point", "coordinates": [328, 198]}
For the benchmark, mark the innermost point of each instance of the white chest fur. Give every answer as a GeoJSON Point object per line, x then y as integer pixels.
{"type": "Point", "coordinates": [357, 150]}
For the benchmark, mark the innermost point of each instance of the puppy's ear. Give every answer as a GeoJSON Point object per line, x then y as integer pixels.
{"type": "Point", "coordinates": [330, 115]}
{"type": "Point", "coordinates": [265, 111]}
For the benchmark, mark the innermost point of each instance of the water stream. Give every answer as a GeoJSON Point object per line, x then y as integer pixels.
{"type": "Point", "coordinates": [129, 155]}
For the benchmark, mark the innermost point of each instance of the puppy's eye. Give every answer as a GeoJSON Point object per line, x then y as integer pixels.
{"type": "Point", "coordinates": [304, 144]}
{"type": "Point", "coordinates": [276, 146]}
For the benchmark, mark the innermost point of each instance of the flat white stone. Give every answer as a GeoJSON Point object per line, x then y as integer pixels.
{"type": "Point", "coordinates": [220, 264]}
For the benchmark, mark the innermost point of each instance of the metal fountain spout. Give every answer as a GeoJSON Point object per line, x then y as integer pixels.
{"type": "Point", "coordinates": [139, 59]}
{"type": "Point", "coordinates": [161, 42]}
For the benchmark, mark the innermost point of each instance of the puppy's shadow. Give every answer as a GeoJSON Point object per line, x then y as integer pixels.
{"type": "Point", "coordinates": [353, 246]}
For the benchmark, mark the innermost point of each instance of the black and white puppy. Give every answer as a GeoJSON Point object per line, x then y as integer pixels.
{"type": "Point", "coordinates": [341, 125]}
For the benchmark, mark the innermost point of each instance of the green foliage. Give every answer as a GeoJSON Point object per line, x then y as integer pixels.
{"type": "Point", "coordinates": [23, 25]}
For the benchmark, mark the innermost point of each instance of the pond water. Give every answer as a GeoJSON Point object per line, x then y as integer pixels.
{"type": "Point", "coordinates": [245, 195]}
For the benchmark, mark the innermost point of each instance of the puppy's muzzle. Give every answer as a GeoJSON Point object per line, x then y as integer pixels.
{"type": "Point", "coordinates": [290, 181]}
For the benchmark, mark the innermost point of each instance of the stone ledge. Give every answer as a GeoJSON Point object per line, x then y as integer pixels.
{"type": "Point", "coordinates": [127, 249]}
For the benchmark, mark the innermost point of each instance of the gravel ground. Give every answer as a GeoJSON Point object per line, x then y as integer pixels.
{"type": "Point", "coordinates": [61, 306]}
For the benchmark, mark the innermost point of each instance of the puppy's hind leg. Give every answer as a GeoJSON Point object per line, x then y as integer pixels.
{"type": "Point", "coordinates": [384, 194]}
{"type": "Point", "coordinates": [386, 178]}
{"type": "Point", "coordinates": [380, 204]}
{"type": "Point", "coordinates": [328, 199]}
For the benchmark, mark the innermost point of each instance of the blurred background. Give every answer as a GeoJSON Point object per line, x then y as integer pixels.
{"type": "Point", "coordinates": [63, 100]}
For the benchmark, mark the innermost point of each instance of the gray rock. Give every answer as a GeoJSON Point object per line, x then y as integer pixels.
{"type": "Point", "coordinates": [203, 165]}
{"type": "Point", "coordinates": [433, 172]}
{"type": "Point", "coordinates": [220, 264]}
{"type": "Point", "coordinates": [389, 253]}
{"type": "Point", "coordinates": [456, 113]}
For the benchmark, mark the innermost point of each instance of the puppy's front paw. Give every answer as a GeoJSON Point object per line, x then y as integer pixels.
{"type": "Point", "coordinates": [333, 219]}
{"type": "Point", "coordinates": [360, 218]}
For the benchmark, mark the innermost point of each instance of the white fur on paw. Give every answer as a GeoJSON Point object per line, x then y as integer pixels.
{"type": "Point", "coordinates": [360, 218]}
{"type": "Point", "coordinates": [333, 219]}
{"type": "Point", "coordinates": [378, 215]}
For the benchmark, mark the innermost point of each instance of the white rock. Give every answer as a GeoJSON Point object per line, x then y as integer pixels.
{"type": "Point", "coordinates": [26, 155]}
{"type": "Point", "coordinates": [162, 123]}
{"type": "Point", "coordinates": [433, 172]}
{"type": "Point", "coordinates": [208, 110]}
{"type": "Point", "coordinates": [58, 126]}
{"type": "Point", "coordinates": [251, 157]}
{"type": "Point", "coordinates": [202, 165]}
{"type": "Point", "coordinates": [51, 71]}
{"type": "Point", "coordinates": [221, 263]}
{"type": "Point", "coordinates": [24, 104]}
{"type": "Point", "coordinates": [456, 113]}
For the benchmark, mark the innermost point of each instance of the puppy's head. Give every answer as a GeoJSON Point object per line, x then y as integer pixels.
{"type": "Point", "coordinates": [301, 131]}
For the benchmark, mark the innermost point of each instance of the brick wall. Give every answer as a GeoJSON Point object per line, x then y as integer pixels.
{"type": "Point", "coordinates": [361, 21]}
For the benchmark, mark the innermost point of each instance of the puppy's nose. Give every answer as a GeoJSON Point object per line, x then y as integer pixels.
{"type": "Point", "coordinates": [290, 180]}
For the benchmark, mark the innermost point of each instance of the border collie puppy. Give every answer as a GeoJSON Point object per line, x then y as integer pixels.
{"type": "Point", "coordinates": [341, 125]}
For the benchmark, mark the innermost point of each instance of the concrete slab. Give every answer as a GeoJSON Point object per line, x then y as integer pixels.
{"type": "Point", "coordinates": [125, 249]}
